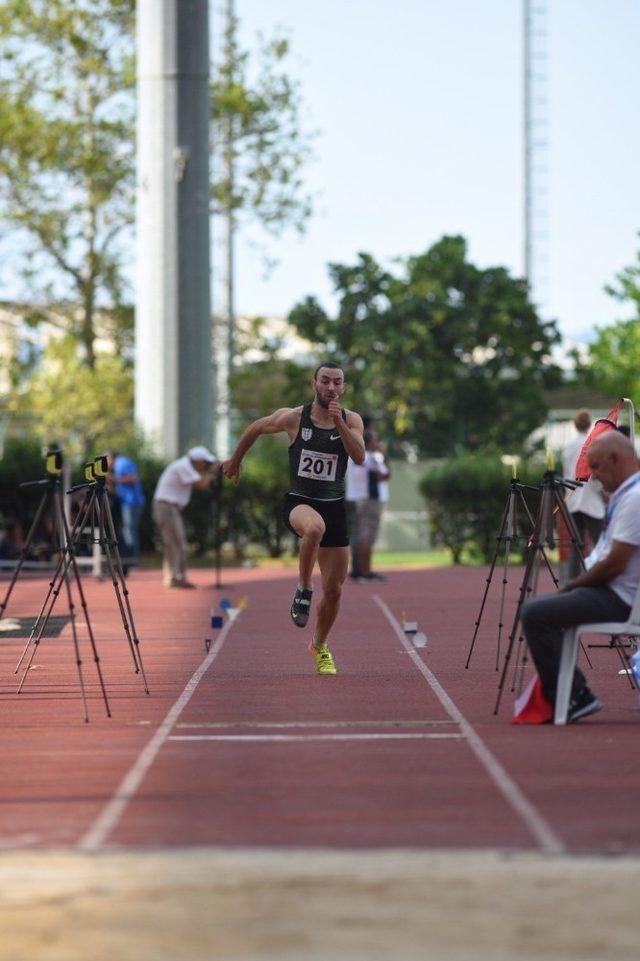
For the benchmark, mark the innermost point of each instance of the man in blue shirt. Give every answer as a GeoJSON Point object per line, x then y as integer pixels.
{"type": "Point", "coordinates": [128, 490]}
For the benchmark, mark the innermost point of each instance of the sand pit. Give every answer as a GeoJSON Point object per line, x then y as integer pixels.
{"type": "Point", "coordinates": [273, 905]}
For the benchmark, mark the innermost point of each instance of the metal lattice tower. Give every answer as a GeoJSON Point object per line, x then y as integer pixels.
{"type": "Point", "coordinates": [536, 150]}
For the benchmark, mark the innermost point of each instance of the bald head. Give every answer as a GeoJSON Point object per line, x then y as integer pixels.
{"type": "Point", "coordinates": [612, 459]}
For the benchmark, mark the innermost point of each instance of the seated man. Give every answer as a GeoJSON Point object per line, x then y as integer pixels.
{"type": "Point", "coordinates": [606, 590]}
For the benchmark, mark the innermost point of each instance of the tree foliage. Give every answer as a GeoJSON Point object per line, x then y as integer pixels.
{"type": "Point", "coordinates": [253, 508]}
{"type": "Point", "coordinates": [264, 378]}
{"type": "Point", "coordinates": [83, 409]}
{"type": "Point", "coordinates": [67, 144]}
{"type": "Point", "coordinates": [613, 361]}
{"type": "Point", "coordinates": [466, 497]}
{"type": "Point", "coordinates": [445, 356]}
{"type": "Point", "coordinates": [67, 153]}
{"type": "Point", "coordinates": [259, 144]}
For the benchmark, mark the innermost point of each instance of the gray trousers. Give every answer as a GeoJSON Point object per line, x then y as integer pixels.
{"type": "Point", "coordinates": [168, 520]}
{"type": "Point", "coordinates": [545, 618]}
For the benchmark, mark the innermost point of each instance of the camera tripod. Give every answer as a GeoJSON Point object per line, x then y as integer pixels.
{"type": "Point", "coordinates": [507, 534]}
{"type": "Point", "coordinates": [96, 513]}
{"type": "Point", "coordinates": [67, 568]}
{"type": "Point", "coordinates": [543, 535]}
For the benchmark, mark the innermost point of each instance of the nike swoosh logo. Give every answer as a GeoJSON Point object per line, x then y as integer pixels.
{"type": "Point", "coordinates": [335, 437]}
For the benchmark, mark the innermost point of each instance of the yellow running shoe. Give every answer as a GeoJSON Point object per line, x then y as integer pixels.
{"type": "Point", "coordinates": [324, 660]}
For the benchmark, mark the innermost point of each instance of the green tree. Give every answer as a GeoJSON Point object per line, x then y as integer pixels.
{"type": "Point", "coordinates": [466, 497]}
{"type": "Point", "coordinates": [263, 379]}
{"type": "Point", "coordinates": [259, 144]}
{"type": "Point", "coordinates": [67, 155]}
{"type": "Point", "coordinates": [84, 409]}
{"type": "Point", "coordinates": [613, 362]}
{"type": "Point", "coordinates": [445, 356]}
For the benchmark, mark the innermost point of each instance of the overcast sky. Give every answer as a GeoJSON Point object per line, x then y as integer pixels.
{"type": "Point", "coordinates": [419, 108]}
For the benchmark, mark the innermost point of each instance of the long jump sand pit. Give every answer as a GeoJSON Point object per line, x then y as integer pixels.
{"type": "Point", "coordinates": [264, 905]}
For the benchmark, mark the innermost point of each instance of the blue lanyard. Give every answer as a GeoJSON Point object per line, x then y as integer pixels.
{"type": "Point", "coordinates": [626, 486]}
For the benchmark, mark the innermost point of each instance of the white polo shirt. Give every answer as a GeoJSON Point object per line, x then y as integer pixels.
{"type": "Point", "coordinates": [176, 482]}
{"type": "Point", "coordinates": [622, 523]}
{"type": "Point", "coordinates": [357, 481]}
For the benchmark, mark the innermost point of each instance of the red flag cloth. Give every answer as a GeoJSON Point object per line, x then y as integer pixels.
{"type": "Point", "coordinates": [610, 422]}
{"type": "Point", "coordinates": [532, 707]}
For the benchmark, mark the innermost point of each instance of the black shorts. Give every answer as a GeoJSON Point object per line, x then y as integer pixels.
{"type": "Point", "coordinates": [333, 514]}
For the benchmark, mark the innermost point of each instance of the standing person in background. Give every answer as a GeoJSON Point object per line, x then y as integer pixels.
{"type": "Point", "coordinates": [172, 494]}
{"type": "Point", "coordinates": [586, 503]}
{"type": "Point", "coordinates": [368, 489]}
{"type": "Point", "coordinates": [356, 491]}
{"type": "Point", "coordinates": [379, 478]}
{"type": "Point", "coordinates": [129, 493]}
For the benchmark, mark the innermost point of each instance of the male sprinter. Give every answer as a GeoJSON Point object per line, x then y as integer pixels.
{"type": "Point", "coordinates": [322, 437]}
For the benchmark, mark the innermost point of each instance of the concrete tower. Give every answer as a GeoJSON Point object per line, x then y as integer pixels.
{"type": "Point", "coordinates": [174, 366]}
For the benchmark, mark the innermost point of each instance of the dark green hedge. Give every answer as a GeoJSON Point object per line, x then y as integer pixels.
{"type": "Point", "coordinates": [466, 498]}
{"type": "Point", "coordinates": [250, 512]}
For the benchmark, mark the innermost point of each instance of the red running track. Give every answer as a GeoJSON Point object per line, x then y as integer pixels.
{"type": "Point", "coordinates": [246, 745]}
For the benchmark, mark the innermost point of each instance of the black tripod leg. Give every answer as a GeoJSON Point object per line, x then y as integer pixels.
{"type": "Point", "coordinates": [528, 583]}
{"type": "Point", "coordinates": [521, 650]}
{"type": "Point", "coordinates": [114, 563]}
{"type": "Point", "coordinates": [24, 552]}
{"type": "Point", "coordinates": [543, 534]}
{"type": "Point", "coordinates": [36, 636]}
{"type": "Point", "coordinates": [62, 560]}
{"type": "Point", "coordinates": [505, 570]}
{"type": "Point", "coordinates": [499, 539]}
{"type": "Point", "coordinates": [219, 539]}
{"type": "Point", "coordinates": [63, 536]}
{"type": "Point", "coordinates": [106, 544]}
{"type": "Point", "coordinates": [548, 564]}
{"type": "Point", "coordinates": [54, 588]}
{"type": "Point", "coordinates": [524, 590]}
{"type": "Point", "coordinates": [85, 609]}
{"type": "Point", "coordinates": [617, 642]}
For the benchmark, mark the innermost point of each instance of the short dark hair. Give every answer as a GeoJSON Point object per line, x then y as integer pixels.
{"type": "Point", "coordinates": [582, 420]}
{"type": "Point", "coordinates": [328, 363]}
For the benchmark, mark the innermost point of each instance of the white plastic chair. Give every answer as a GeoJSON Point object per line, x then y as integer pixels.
{"type": "Point", "coordinates": [570, 643]}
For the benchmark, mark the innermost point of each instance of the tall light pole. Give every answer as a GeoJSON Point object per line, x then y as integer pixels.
{"type": "Point", "coordinates": [174, 360]}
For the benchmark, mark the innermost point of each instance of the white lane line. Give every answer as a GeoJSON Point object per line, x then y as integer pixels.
{"type": "Point", "coordinates": [311, 737]}
{"type": "Point", "coordinates": [547, 839]}
{"type": "Point", "coordinates": [275, 725]}
{"type": "Point", "coordinates": [111, 813]}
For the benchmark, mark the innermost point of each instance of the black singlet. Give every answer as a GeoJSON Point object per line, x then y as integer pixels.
{"type": "Point", "coordinates": [317, 460]}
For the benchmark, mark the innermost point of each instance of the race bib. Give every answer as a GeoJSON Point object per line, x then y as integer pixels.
{"type": "Point", "coordinates": [315, 465]}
